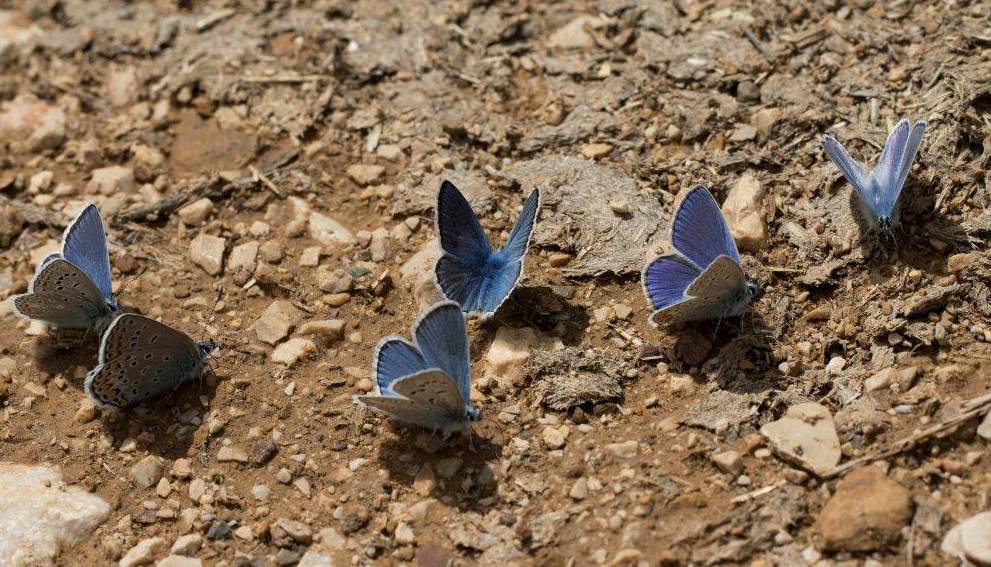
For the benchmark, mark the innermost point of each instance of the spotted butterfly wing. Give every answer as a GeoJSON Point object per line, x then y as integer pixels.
{"type": "Point", "coordinates": [140, 359]}
{"type": "Point", "coordinates": [64, 296]}
{"type": "Point", "coordinates": [719, 291]}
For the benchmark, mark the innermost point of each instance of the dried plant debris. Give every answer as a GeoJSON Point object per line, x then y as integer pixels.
{"type": "Point", "coordinates": [593, 211]}
{"type": "Point", "coordinates": [573, 377]}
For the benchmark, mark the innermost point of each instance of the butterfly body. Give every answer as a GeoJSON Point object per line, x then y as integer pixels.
{"type": "Point", "coordinates": [704, 279]}
{"type": "Point", "coordinates": [878, 190]}
{"type": "Point", "coordinates": [140, 359]}
{"type": "Point", "coordinates": [425, 382]}
{"type": "Point", "coordinates": [71, 289]}
{"type": "Point", "coordinates": [469, 271]}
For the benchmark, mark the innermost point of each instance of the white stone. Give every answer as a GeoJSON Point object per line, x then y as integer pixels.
{"type": "Point", "coordinates": [624, 450]}
{"type": "Point", "coordinates": [552, 438]}
{"type": "Point", "coordinates": [881, 380]}
{"type": "Point", "coordinates": [744, 212]}
{"type": "Point", "coordinates": [328, 330]}
{"type": "Point", "coordinates": [276, 321]}
{"type": "Point", "coordinates": [179, 561]}
{"type": "Point", "coordinates": [970, 539]}
{"type": "Point", "coordinates": [123, 87]}
{"type": "Point", "coordinates": [404, 534]}
{"type": "Point", "coordinates": [28, 119]}
{"type": "Point", "coordinates": [207, 252]}
{"type": "Point", "coordinates": [510, 349]}
{"type": "Point", "coordinates": [40, 515]}
{"type": "Point", "coordinates": [328, 231]}
{"type": "Point", "coordinates": [291, 351]}
{"type": "Point", "coordinates": [187, 544]}
{"type": "Point", "coordinates": [363, 174]}
{"type": "Point", "coordinates": [728, 462]}
{"type": "Point", "coordinates": [197, 212]}
{"type": "Point", "coordinates": [310, 257]}
{"type": "Point", "coordinates": [417, 275]}
{"type": "Point", "coordinates": [243, 257]}
{"type": "Point", "coordinates": [146, 472]}
{"type": "Point", "coordinates": [143, 553]}
{"type": "Point", "coordinates": [984, 429]}
{"type": "Point", "coordinates": [111, 180]}
{"type": "Point", "coordinates": [573, 35]}
{"type": "Point", "coordinates": [806, 437]}
{"type": "Point", "coordinates": [231, 454]}
{"type": "Point", "coordinates": [314, 558]}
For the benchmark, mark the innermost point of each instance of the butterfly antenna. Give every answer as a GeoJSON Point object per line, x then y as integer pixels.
{"type": "Point", "coordinates": [127, 283]}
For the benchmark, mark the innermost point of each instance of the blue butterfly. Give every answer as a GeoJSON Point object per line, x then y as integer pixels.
{"type": "Point", "coordinates": [71, 288]}
{"type": "Point", "coordinates": [879, 189]}
{"type": "Point", "coordinates": [469, 271]}
{"type": "Point", "coordinates": [426, 382]}
{"type": "Point", "coordinates": [704, 279]}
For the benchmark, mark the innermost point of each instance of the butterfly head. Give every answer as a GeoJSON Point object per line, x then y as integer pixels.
{"type": "Point", "coordinates": [207, 347]}
{"type": "Point", "coordinates": [753, 290]}
{"type": "Point", "coordinates": [473, 414]}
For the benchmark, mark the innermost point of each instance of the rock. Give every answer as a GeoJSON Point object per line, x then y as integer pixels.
{"type": "Point", "coordinates": [30, 121]}
{"type": "Point", "coordinates": [87, 411]}
{"type": "Point", "coordinates": [971, 539]}
{"type": "Point", "coordinates": [111, 180]}
{"type": "Point", "coordinates": [389, 152]}
{"type": "Point", "coordinates": [511, 348]}
{"type": "Point", "coordinates": [624, 450]}
{"type": "Point", "coordinates": [579, 490]}
{"type": "Point", "coordinates": [404, 534]}
{"type": "Point", "coordinates": [866, 513]}
{"type": "Point", "coordinates": [417, 275]}
{"type": "Point", "coordinates": [147, 472]}
{"type": "Point", "coordinates": [243, 257]}
{"type": "Point", "coordinates": [881, 380]}
{"type": "Point", "coordinates": [196, 213]}
{"type": "Point", "coordinates": [291, 351]}
{"type": "Point", "coordinates": [573, 35]}
{"type": "Point", "coordinates": [179, 561]}
{"type": "Point", "coordinates": [729, 462]}
{"type": "Point", "coordinates": [231, 454]}
{"type": "Point", "coordinates": [187, 544]}
{"type": "Point", "coordinates": [276, 321]}
{"type": "Point", "coordinates": [197, 488]}
{"type": "Point", "coordinates": [271, 251]}
{"type": "Point", "coordinates": [365, 174]}
{"type": "Point", "coordinates": [744, 212]}
{"type": "Point", "coordinates": [314, 558]}
{"type": "Point", "coordinates": [806, 437]}
{"type": "Point", "coordinates": [143, 553]}
{"type": "Point", "coordinates": [418, 196]}
{"type": "Point", "coordinates": [123, 87]}
{"type": "Point", "coordinates": [960, 262]}
{"type": "Point", "coordinates": [207, 252]}
{"type": "Point", "coordinates": [40, 515]}
{"type": "Point", "coordinates": [328, 331]}
{"type": "Point", "coordinates": [984, 429]}
{"type": "Point", "coordinates": [552, 438]}
{"type": "Point", "coordinates": [298, 531]}
{"type": "Point", "coordinates": [425, 481]}
{"type": "Point", "coordinates": [14, 36]}
{"type": "Point", "coordinates": [379, 246]}
{"type": "Point", "coordinates": [595, 151]}
{"type": "Point", "coordinates": [182, 468]}
{"type": "Point", "coordinates": [328, 231]}
{"type": "Point", "coordinates": [310, 257]}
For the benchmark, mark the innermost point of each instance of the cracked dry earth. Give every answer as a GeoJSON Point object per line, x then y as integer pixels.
{"type": "Point", "coordinates": [267, 171]}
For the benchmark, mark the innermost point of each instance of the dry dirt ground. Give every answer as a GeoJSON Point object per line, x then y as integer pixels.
{"type": "Point", "coordinates": [600, 450]}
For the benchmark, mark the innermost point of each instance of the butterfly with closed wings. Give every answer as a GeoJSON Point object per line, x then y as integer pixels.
{"type": "Point", "coordinates": [469, 271]}
{"type": "Point", "coordinates": [140, 359]}
{"type": "Point", "coordinates": [704, 279]}
{"type": "Point", "coordinates": [425, 382]}
{"type": "Point", "coordinates": [879, 189]}
{"type": "Point", "coordinates": [71, 289]}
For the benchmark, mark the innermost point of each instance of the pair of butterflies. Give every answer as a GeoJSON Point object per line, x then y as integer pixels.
{"type": "Point", "coordinates": [704, 279]}
{"type": "Point", "coordinates": [140, 358]}
{"type": "Point", "coordinates": [425, 381]}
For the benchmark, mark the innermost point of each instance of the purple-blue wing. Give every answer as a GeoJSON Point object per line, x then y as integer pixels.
{"type": "Point", "coordinates": [666, 279]}
{"type": "Point", "coordinates": [394, 358]}
{"type": "Point", "coordinates": [909, 148]}
{"type": "Point", "coordinates": [460, 233]}
{"type": "Point", "coordinates": [519, 238]}
{"type": "Point", "coordinates": [699, 231]}
{"type": "Point", "coordinates": [85, 246]}
{"type": "Point", "coordinates": [442, 338]}
{"type": "Point", "coordinates": [864, 183]}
